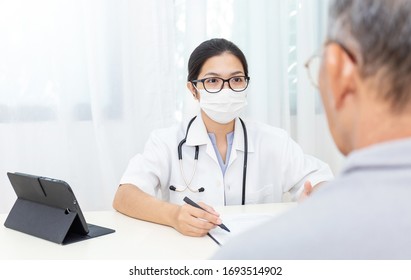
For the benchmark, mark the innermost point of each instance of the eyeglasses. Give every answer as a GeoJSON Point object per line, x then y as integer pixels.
{"type": "Point", "coordinates": [313, 69]}
{"type": "Point", "coordinates": [313, 64]}
{"type": "Point", "coordinates": [216, 84]}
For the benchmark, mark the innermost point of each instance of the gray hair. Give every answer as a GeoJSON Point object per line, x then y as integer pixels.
{"type": "Point", "coordinates": [380, 33]}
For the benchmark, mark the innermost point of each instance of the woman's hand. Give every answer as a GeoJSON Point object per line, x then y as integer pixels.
{"type": "Point", "coordinates": [193, 221]}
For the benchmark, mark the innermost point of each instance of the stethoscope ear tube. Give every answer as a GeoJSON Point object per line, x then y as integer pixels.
{"type": "Point", "coordinates": [245, 161]}
{"type": "Point", "coordinates": [180, 145]}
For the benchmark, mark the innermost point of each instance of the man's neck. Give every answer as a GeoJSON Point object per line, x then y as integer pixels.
{"type": "Point", "coordinates": [383, 126]}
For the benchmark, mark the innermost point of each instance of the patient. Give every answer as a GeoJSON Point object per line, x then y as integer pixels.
{"type": "Point", "coordinates": [365, 85]}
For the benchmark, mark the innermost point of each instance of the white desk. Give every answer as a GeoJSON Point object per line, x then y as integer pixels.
{"type": "Point", "coordinates": [133, 239]}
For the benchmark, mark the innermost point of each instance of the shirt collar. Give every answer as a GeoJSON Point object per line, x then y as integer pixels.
{"type": "Point", "coordinates": [198, 135]}
{"type": "Point", "coordinates": [387, 154]}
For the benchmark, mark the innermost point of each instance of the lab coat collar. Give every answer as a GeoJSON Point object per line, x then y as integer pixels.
{"type": "Point", "coordinates": [198, 135]}
{"type": "Point", "coordinates": [238, 143]}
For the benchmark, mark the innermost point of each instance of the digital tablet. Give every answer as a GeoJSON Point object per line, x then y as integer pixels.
{"type": "Point", "coordinates": [47, 208]}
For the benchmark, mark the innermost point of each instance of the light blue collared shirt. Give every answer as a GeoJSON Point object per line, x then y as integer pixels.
{"type": "Point", "coordinates": [230, 138]}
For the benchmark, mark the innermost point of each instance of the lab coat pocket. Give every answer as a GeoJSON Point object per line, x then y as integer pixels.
{"type": "Point", "coordinates": [261, 195]}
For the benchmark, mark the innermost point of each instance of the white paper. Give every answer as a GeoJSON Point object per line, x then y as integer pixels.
{"type": "Point", "coordinates": [237, 224]}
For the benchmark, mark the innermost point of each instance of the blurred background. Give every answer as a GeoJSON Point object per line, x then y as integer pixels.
{"type": "Point", "coordinates": [84, 82]}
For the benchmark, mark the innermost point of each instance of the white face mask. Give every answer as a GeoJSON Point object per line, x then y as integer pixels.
{"type": "Point", "coordinates": [223, 106]}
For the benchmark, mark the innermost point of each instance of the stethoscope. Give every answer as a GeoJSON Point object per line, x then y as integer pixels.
{"type": "Point", "coordinates": [180, 161]}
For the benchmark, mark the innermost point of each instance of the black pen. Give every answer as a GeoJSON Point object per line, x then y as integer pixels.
{"type": "Point", "coordinates": [192, 203]}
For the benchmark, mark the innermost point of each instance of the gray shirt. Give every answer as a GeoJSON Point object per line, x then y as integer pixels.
{"type": "Point", "coordinates": [365, 213]}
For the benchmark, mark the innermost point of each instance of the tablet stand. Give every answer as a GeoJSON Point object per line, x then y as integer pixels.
{"type": "Point", "coordinates": [49, 223]}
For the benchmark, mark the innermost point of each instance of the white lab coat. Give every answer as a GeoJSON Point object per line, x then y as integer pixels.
{"type": "Point", "coordinates": [276, 165]}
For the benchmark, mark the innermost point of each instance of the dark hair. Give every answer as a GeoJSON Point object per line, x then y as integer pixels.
{"type": "Point", "coordinates": [208, 49]}
{"type": "Point", "coordinates": [381, 32]}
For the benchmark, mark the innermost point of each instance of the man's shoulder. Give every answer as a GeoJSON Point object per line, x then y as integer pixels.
{"type": "Point", "coordinates": [335, 222]}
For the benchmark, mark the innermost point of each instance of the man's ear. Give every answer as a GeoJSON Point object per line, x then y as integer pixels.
{"type": "Point", "coordinates": [192, 89]}
{"type": "Point", "coordinates": [341, 72]}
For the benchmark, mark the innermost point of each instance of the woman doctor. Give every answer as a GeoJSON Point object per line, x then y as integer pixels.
{"type": "Point", "coordinates": [215, 158]}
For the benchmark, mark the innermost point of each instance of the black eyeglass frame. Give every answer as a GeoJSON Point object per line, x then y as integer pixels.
{"type": "Point", "coordinates": [247, 79]}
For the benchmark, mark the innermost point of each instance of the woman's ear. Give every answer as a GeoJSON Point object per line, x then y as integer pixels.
{"type": "Point", "coordinates": [193, 90]}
